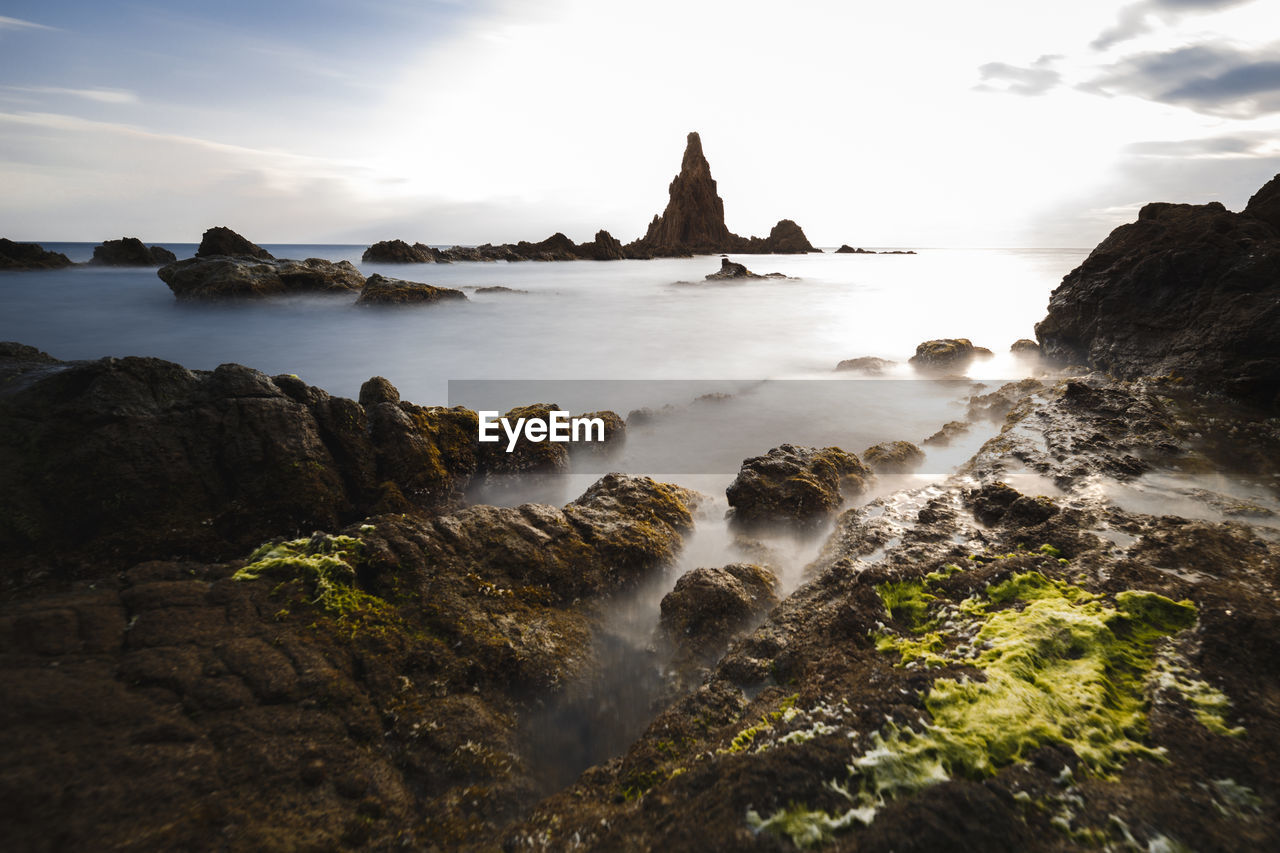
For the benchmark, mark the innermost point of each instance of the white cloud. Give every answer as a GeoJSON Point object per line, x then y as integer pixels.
{"type": "Point", "coordinates": [99, 95]}
{"type": "Point", "coordinates": [7, 23]}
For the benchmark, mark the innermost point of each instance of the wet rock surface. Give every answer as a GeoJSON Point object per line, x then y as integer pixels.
{"type": "Point", "coordinates": [217, 277]}
{"type": "Point", "coordinates": [1188, 290]}
{"type": "Point", "coordinates": [355, 690]}
{"type": "Point", "coordinates": [29, 256]}
{"type": "Point", "coordinates": [1068, 644]}
{"type": "Point", "coordinates": [710, 606]}
{"type": "Point", "coordinates": [380, 290]}
{"type": "Point", "coordinates": [869, 710]}
{"type": "Point", "coordinates": [115, 460]}
{"type": "Point", "coordinates": [795, 485]}
{"type": "Point", "coordinates": [893, 457]}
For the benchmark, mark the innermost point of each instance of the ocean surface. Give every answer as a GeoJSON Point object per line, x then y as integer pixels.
{"type": "Point", "coordinates": [732, 368]}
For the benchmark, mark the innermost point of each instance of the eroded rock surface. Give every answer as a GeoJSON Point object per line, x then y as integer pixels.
{"type": "Point", "coordinates": [1189, 290]}
{"type": "Point", "coordinates": [795, 485]}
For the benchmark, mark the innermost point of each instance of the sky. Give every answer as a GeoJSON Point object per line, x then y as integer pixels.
{"type": "Point", "coordinates": [912, 124]}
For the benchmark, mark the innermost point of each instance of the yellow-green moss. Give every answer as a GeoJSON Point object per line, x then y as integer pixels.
{"type": "Point", "coordinates": [326, 566]}
{"type": "Point", "coordinates": [1061, 665]}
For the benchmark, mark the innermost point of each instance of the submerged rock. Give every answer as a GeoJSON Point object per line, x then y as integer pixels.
{"type": "Point", "coordinates": [1188, 290]}
{"type": "Point", "coordinates": [710, 606]}
{"type": "Point", "coordinates": [29, 256]}
{"type": "Point", "coordinates": [380, 290]}
{"type": "Point", "coordinates": [796, 485]}
{"type": "Point", "coordinates": [220, 240]}
{"type": "Point", "coordinates": [893, 457]}
{"type": "Point", "coordinates": [131, 252]}
{"type": "Point", "coordinates": [218, 277]}
{"type": "Point", "coordinates": [846, 249]}
{"type": "Point", "coordinates": [869, 365]}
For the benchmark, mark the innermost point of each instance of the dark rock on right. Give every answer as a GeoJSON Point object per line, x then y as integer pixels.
{"type": "Point", "coordinates": [221, 240]}
{"type": "Point", "coordinates": [130, 252]}
{"type": "Point", "coordinates": [801, 486]}
{"type": "Point", "coordinates": [1187, 290]}
{"type": "Point", "coordinates": [29, 256]}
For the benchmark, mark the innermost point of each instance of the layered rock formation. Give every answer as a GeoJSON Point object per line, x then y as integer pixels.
{"type": "Point", "coordinates": [131, 252]}
{"type": "Point", "coordinates": [1189, 290]}
{"type": "Point", "coordinates": [29, 256]}
{"type": "Point", "coordinates": [693, 221]}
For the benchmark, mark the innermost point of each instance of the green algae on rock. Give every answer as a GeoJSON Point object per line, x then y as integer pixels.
{"type": "Point", "coordinates": [1061, 665]}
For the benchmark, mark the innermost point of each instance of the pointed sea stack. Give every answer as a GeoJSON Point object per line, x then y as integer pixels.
{"type": "Point", "coordinates": [693, 222]}
{"type": "Point", "coordinates": [694, 218]}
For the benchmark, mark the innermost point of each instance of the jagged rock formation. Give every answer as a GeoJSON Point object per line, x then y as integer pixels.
{"type": "Point", "coordinates": [224, 277]}
{"type": "Point", "coordinates": [693, 221]}
{"type": "Point", "coordinates": [380, 290]}
{"type": "Point", "coordinates": [1191, 290]}
{"type": "Point", "coordinates": [221, 240]}
{"type": "Point", "coordinates": [131, 252]}
{"type": "Point", "coordinates": [29, 256]}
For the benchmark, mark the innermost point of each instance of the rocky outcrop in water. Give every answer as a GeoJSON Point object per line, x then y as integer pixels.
{"type": "Point", "coordinates": [893, 457]}
{"type": "Point", "coordinates": [693, 221]}
{"type": "Point", "coordinates": [946, 355]}
{"type": "Point", "coordinates": [400, 252]}
{"type": "Point", "coordinates": [867, 365]}
{"type": "Point", "coordinates": [1024, 347]}
{"type": "Point", "coordinates": [1188, 290]}
{"type": "Point", "coordinates": [380, 290]}
{"type": "Point", "coordinates": [792, 485]}
{"type": "Point", "coordinates": [29, 256]}
{"type": "Point", "coordinates": [219, 277]}
{"type": "Point", "coordinates": [221, 240]}
{"type": "Point", "coordinates": [131, 252]}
